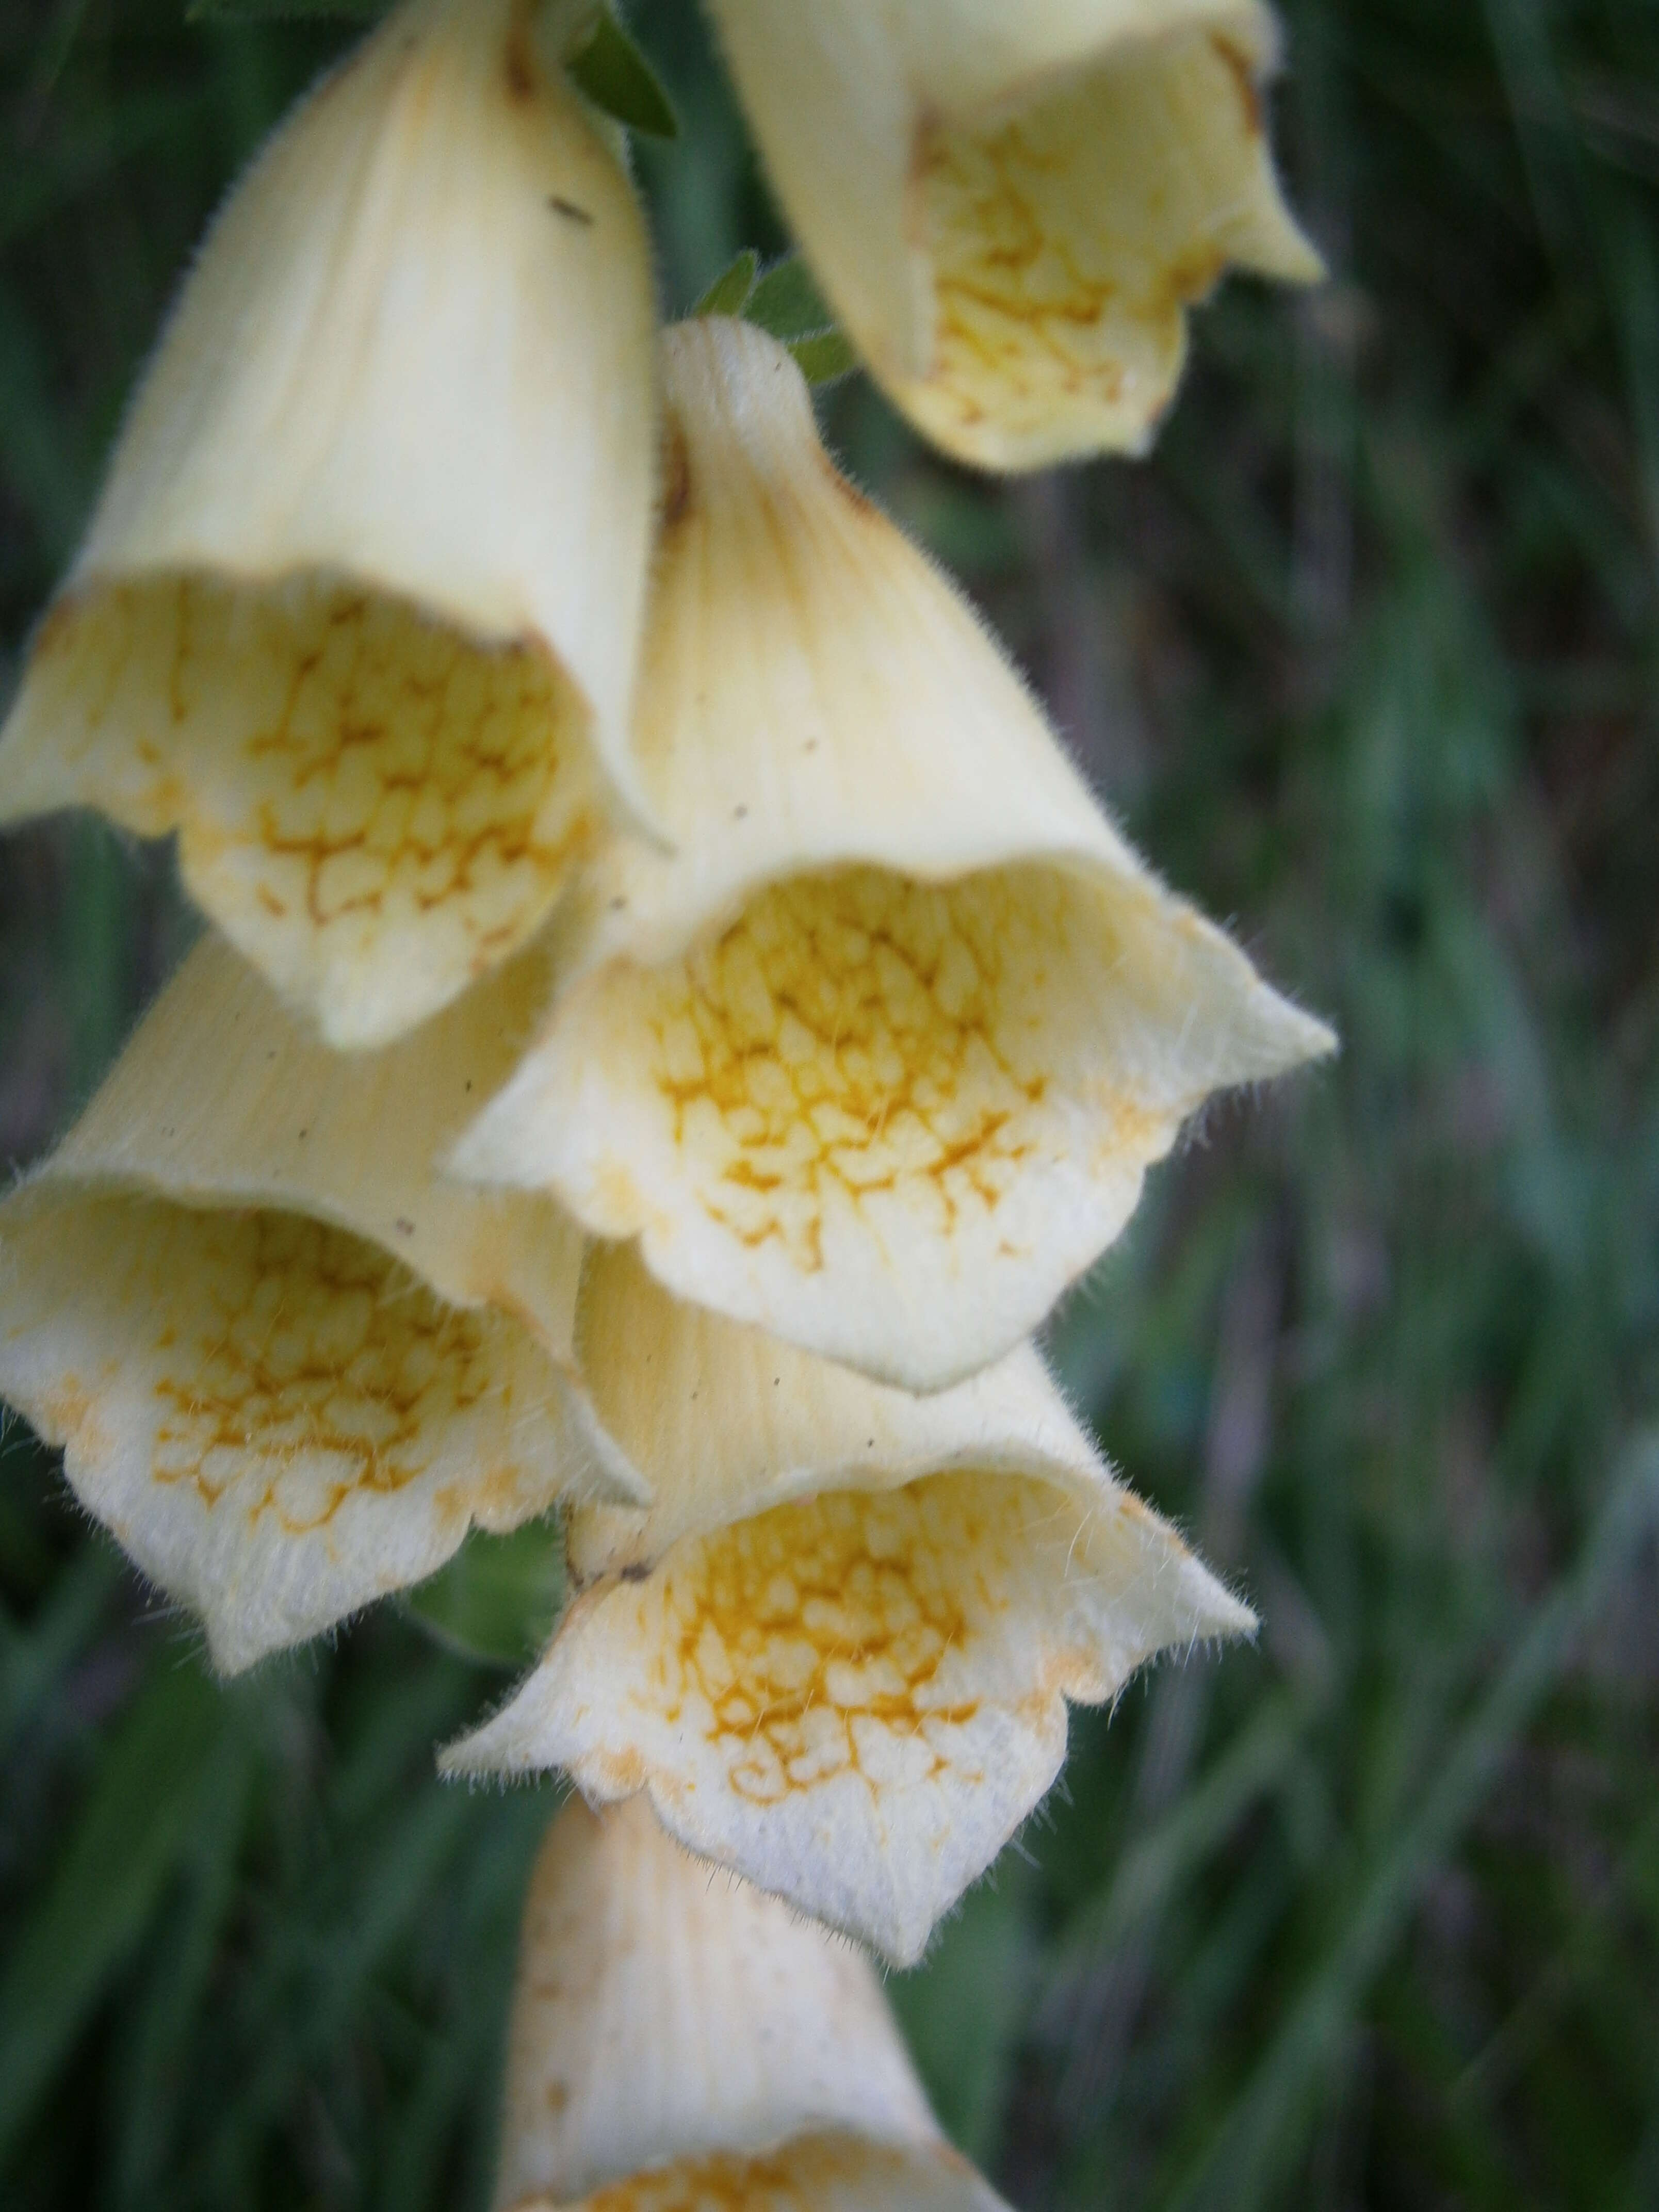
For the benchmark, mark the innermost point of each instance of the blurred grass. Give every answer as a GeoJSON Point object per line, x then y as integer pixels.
{"type": "Point", "coordinates": [1367, 658]}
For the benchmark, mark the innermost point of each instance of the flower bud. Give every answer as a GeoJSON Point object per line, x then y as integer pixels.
{"type": "Point", "coordinates": [877, 1056]}
{"type": "Point", "coordinates": [357, 614]}
{"type": "Point", "coordinates": [1011, 207]}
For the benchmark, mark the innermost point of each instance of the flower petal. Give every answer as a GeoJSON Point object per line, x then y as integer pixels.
{"type": "Point", "coordinates": [878, 1056]}
{"type": "Point", "coordinates": [721, 1421]}
{"type": "Point", "coordinates": [373, 807]}
{"type": "Point", "coordinates": [222, 1098]}
{"type": "Point", "coordinates": [664, 2014]}
{"type": "Point", "coordinates": [359, 617]}
{"type": "Point", "coordinates": [1012, 208]}
{"type": "Point", "coordinates": [289, 1363]}
{"type": "Point", "coordinates": [277, 1420]}
{"type": "Point", "coordinates": [854, 1698]}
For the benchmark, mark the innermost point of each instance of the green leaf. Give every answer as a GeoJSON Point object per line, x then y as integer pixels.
{"type": "Point", "coordinates": [731, 290]}
{"type": "Point", "coordinates": [788, 303]}
{"type": "Point", "coordinates": [613, 72]}
{"type": "Point", "coordinates": [497, 1600]}
{"type": "Point", "coordinates": [825, 357]}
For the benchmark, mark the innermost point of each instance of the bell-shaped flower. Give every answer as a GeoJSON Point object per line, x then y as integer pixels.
{"type": "Point", "coordinates": [677, 2042]}
{"type": "Point", "coordinates": [1011, 207]}
{"type": "Point", "coordinates": [290, 1366]}
{"type": "Point", "coordinates": [357, 614]}
{"type": "Point", "coordinates": [876, 1057]}
{"type": "Point", "coordinates": [836, 1650]}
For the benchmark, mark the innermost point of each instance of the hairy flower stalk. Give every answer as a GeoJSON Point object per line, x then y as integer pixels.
{"type": "Point", "coordinates": [357, 613]}
{"type": "Point", "coordinates": [1011, 207]}
{"type": "Point", "coordinates": [877, 1055]}
{"type": "Point", "coordinates": [677, 2042]}
{"type": "Point", "coordinates": [837, 1651]}
{"type": "Point", "coordinates": [288, 1363]}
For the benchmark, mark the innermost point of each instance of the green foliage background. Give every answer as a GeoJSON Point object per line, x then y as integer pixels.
{"type": "Point", "coordinates": [1366, 657]}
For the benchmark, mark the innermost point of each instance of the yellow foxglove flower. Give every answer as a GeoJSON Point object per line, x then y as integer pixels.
{"type": "Point", "coordinates": [357, 613]}
{"type": "Point", "coordinates": [877, 1056]}
{"type": "Point", "coordinates": [836, 1650]}
{"type": "Point", "coordinates": [288, 1366]}
{"type": "Point", "coordinates": [1011, 203]}
{"type": "Point", "coordinates": [677, 2042]}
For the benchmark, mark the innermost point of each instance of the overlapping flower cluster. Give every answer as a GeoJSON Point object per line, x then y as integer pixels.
{"type": "Point", "coordinates": [672, 1019]}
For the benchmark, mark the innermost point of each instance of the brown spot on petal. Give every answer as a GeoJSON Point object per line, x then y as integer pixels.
{"type": "Point", "coordinates": [856, 1035]}
{"type": "Point", "coordinates": [67, 1414]}
{"type": "Point", "coordinates": [1067, 241]}
{"type": "Point", "coordinates": [806, 2173]}
{"type": "Point", "coordinates": [363, 793]}
{"type": "Point", "coordinates": [797, 1645]}
{"type": "Point", "coordinates": [1016, 303]}
{"type": "Point", "coordinates": [312, 1366]}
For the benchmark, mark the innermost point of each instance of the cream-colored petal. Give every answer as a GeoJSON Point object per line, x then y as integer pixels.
{"type": "Point", "coordinates": [372, 806]}
{"type": "Point", "coordinates": [663, 2012]}
{"type": "Point", "coordinates": [722, 1421]}
{"type": "Point", "coordinates": [854, 1700]}
{"type": "Point", "coordinates": [222, 1098]}
{"type": "Point", "coordinates": [878, 1056]}
{"type": "Point", "coordinates": [358, 613]}
{"type": "Point", "coordinates": [277, 1420]}
{"type": "Point", "coordinates": [1012, 208]}
{"type": "Point", "coordinates": [680, 2040]}
{"type": "Point", "coordinates": [290, 1363]}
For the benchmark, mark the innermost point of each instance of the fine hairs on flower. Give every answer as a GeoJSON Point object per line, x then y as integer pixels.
{"type": "Point", "coordinates": [676, 2034]}
{"type": "Point", "coordinates": [358, 611]}
{"type": "Point", "coordinates": [849, 1685]}
{"type": "Point", "coordinates": [878, 1055]}
{"type": "Point", "coordinates": [1011, 207]}
{"type": "Point", "coordinates": [672, 1020]}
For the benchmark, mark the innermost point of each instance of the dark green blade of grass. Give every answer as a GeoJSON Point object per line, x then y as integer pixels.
{"type": "Point", "coordinates": [1246, 2167]}
{"type": "Point", "coordinates": [126, 1845]}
